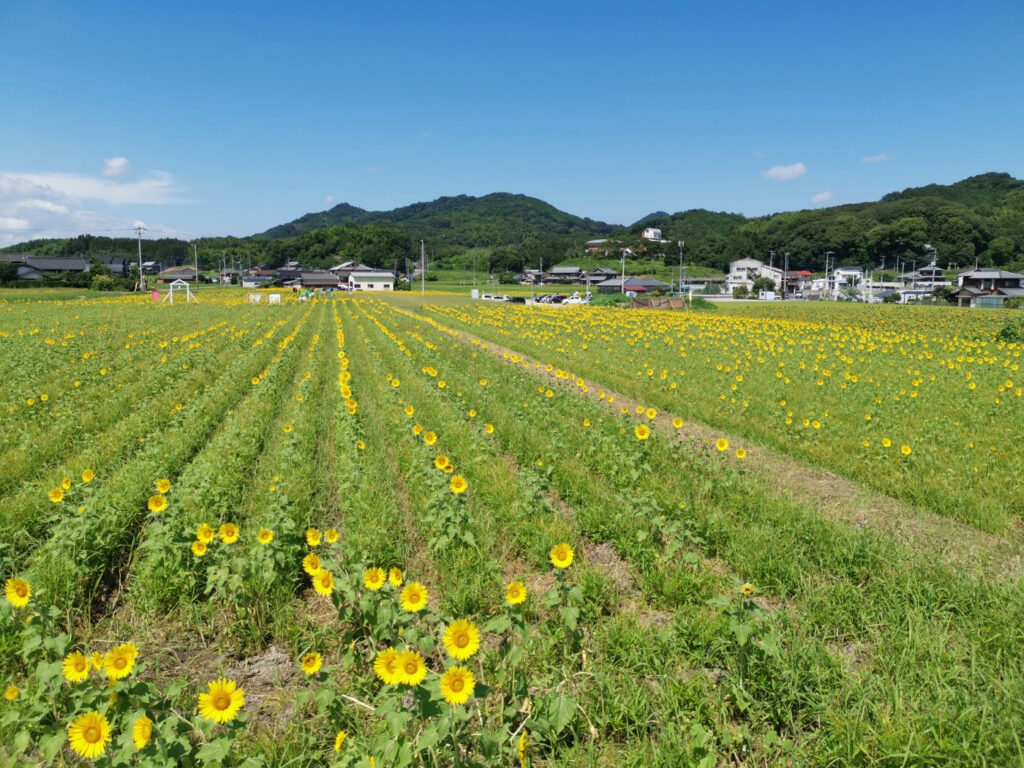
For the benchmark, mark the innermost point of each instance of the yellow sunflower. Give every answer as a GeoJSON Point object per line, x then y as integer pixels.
{"type": "Point", "coordinates": [76, 667]}
{"type": "Point", "coordinates": [412, 667]}
{"type": "Point", "coordinates": [265, 536]}
{"type": "Point", "coordinates": [651, 413]}
{"type": "Point", "coordinates": [205, 533]}
{"type": "Point", "coordinates": [157, 503]}
{"type": "Point", "coordinates": [163, 486]}
{"type": "Point", "coordinates": [677, 423]}
{"type": "Point", "coordinates": [118, 663]}
{"type": "Point", "coordinates": [374, 578]}
{"type": "Point", "coordinates": [56, 495]}
{"type": "Point", "coordinates": [222, 702]}
{"type": "Point", "coordinates": [313, 537]}
{"type": "Point", "coordinates": [561, 555]}
{"type": "Point", "coordinates": [748, 589]}
{"type": "Point", "coordinates": [142, 731]}
{"type": "Point", "coordinates": [66, 483]}
{"type": "Point", "coordinates": [417, 429]}
{"type": "Point", "coordinates": [331, 536]}
{"type": "Point", "coordinates": [88, 476]}
{"type": "Point", "coordinates": [457, 685]}
{"type": "Point", "coordinates": [414, 597]}
{"type": "Point", "coordinates": [198, 548]}
{"type": "Point", "coordinates": [461, 639]}
{"type": "Point", "coordinates": [17, 592]}
{"type": "Point", "coordinates": [229, 533]}
{"type": "Point", "coordinates": [311, 663]}
{"type": "Point", "coordinates": [722, 444]}
{"type": "Point", "coordinates": [385, 666]}
{"type": "Point", "coordinates": [642, 432]}
{"type": "Point", "coordinates": [409, 411]}
{"type": "Point", "coordinates": [11, 693]}
{"type": "Point", "coordinates": [489, 429]}
{"type": "Point", "coordinates": [430, 437]}
{"type": "Point", "coordinates": [741, 453]}
{"type": "Point", "coordinates": [311, 564]}
{"type": "Point", "coordinates": [323, 582]}
{"type": "Point", "coordinates": [458, 484]}
{"type": "Point", "coordinates": [89, 735]}
{"type": "Point", "coordinates": [515, 593]}
{"type": "Point", "coordinates": [441, 461]}
{"type": "Point", "coordinates": [395, 577]}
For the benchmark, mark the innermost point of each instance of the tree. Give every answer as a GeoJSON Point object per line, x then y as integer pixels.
{"type": "Point", "coordinates": [1001, 250]}
{"type": "Point", "coordinates": [763, 284]}
{"type": "Point", "coordinates": [8, 272]}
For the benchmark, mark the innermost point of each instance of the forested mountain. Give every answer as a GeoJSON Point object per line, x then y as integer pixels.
{"type": "Point", "coordinates": [496, 219]}
{"type": "Point", "coordinates": [978, 219]}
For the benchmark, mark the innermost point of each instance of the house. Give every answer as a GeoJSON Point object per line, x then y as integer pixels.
{"type": "Point", "coordinates": [927, 277]}
{"type": "Point", "coordinates": [371, 281]}
{"type": "Point", "coordinates": [255, 281]}
{"type": "Point", "coordinates": [634, 284]}
{"type": "Point", "coordinates": [567, 274]}
{"type": "Point", "coordinates": [600, 274]}
{"type": "Point", "coordinates": [177, 273]}
{"type": "Point", "coordinates": [653, 234]}
{"type": "Point", "coordinates": [152, 267]}
{"type": "Point", "coordinates": [40, 267]}
{"type": "Point", "coordinates": [743, 273]}
{"type": "Point", "coordinates": [986, 287]}
{"type": "Point", "coordinates": [321, 279]}
{"type": "Point", "coordinates": [119, 266]}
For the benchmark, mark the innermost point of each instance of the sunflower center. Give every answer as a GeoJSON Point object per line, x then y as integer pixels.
{"type": "Point", "coordinates": [462, 640]}
{"type": "Point", "coordinates": [20, 590]}
{"type": "Point", "coordinates": [411, 667]}
{"type": "Point", "coordinates": [91, 734]}
{"type": "Point", "coordinates": [120, 662]}
{"type": "Point", "coordinates": [221, 701]}
{"type": "Point", "coordinates": [81, 665]}
{"type": "Point", "coordinates": [456, 684]}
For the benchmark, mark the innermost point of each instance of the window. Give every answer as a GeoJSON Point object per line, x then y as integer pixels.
{"type": "Point", "coordinates": [369, 285]}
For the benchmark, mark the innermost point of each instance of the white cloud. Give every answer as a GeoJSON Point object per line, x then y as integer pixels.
{"type": "Point", "coordinates": [116, 166]}
{"type": "Point", "coordinates": [156, 189]}
{"type": "Point", "coordinates": [329, 200]}
{"type": "Point", "coordinates": [822, 198]}
{"type": "Point", "coordinates": [49, 205]}
{"type": "Point", "coordinates": [885, 157]}
{"type": "Point", "coordinates": [785, 172]}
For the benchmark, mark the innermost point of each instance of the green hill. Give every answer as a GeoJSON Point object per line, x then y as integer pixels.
{"type": "Point", "coordinates": [496, 219]}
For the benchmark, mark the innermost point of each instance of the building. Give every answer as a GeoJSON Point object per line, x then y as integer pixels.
{"type": "Point", "coordinates": [744, 272]}
{"type": "Point", "coordinates": [371, 281]}
{"type": "Point", "coordinates": [177, 273]}
{"type": "Point", "coordinates": [42, 267]}
{"type": "Point", "coordinates": [119, 266]}
{"type": "Point", "coordinates": [634, 284]}
{"type": "Point", "coordinates": [573, 275]}
{"type": "Point", "coordinates": [652, 233]}
{"type": "Point", "coordinates": [323, 280]}
{"type": "Point", "coordinates": [927, 277]}
{"type": "Point", "coordinates": [600, 274]}
{"type": "Point", "coordinates": [255, 281]}
{"type": "Point", "coordinates": [987, 287]}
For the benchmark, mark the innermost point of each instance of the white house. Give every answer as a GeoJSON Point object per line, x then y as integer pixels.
{"type": "Point", "coordinates": [651, 233]}
{"type": "Point", "coordinates": [744, 272]}
{"type": "Point", "coordinates": [371, 281]}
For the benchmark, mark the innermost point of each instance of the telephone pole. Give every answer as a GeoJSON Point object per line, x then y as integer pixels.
{"type": "Point", "coordinates": [139, 229]}
{"type": "Point", "coordinates": [423, 270]}
{"type": "Point", "coordinates": [195, 256]}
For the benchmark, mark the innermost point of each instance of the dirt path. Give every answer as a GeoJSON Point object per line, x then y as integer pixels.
{"type": "Point", "coordinates": [966, 549]}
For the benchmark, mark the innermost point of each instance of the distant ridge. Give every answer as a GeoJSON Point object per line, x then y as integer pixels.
{"type": "Point", "coordinates": [496, 219]}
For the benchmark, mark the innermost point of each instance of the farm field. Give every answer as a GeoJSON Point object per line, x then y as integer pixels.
{"type": "Point", "coordinates": [357, 531]}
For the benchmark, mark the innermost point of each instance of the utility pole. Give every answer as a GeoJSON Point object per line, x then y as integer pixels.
{"type": "Point", "coordinates": [622, 281]}
{"type": "Point", "coordinates": [139, 229]}
{"type": "Point", "coordinates": [681, 244]}
{"type": "Point", "coordinates": [423, 270]}
{"type": "Point", "coordinates": [195, 257]}
{"type": "Point", "coordinates": [828, 278]}
{"type": "Point", "coordinates": [785, 275]}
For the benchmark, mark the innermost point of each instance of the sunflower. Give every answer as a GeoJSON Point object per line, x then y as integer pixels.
{"type": "Point", "coordinates": [441, 461]}
{"type": "Point", "coordinates": [722, 444]}
{"type": "Point", "coordinates": [118, 663]}
{"type": "Point", "coordinates": [331, 535]}
{"type": "Point", "coordinates": [414, 597]}
{"type": "Point", "coordinates": [222, 702]}
{"type": "Point", "coordinates": [198, 548]}
{"type": "Point", "coordinates": [472, 414]}
{"type": "Point", "coordinates": [76, 667]}
{"type": "Point", "coordinates": [515, 593]}
{"type": "Point", "coordinates": [886, 442]}
{"type": "Point", "coordinates": [677, 423]}
{"type": "Point", "coordinates": [360, 445]}
{"type": "Point", "coordinates": [905, 450]}
{"type": "Point", "coordinates": [163, 486]}
{"type": "Point", "coordinates": [748, 589]}
{"type": "Point", "coordinates": [417, 429]}
{"type": "Point", "coordinates": [311, 663]}
{"type": "Point", "coordinates": [313, 537]}
{"type": "Point", "coordinates": [489, 429]}
{"type": "Point", "coordinates": [461, 639]}
{"type": "Point", "coordinates": [642, 432]}
{"type": "Point", "coordinates": [323, 582]}
{"type": "Point", "coordinates": [287, 428]}
{"type": "Point", "coordinates": [458, 484]}
{"type": "Point", "coordinates": [157, 503]}
{"type": "Point", "coordinates": [88, 476]}
{"type": "Point", "coordinates": [561, 555]}
{"type": "Point", "coordinates": [204, 533]}
{"type": "Point", "coordinates": [229, 533]}
{"type": "Point", "coordinates": [741, 453]}
{"type": "Point", "coordinates": [66, 483]}
{"type": "Point", "coordinates": [395, 577]}
{"type": "Point", "coordinates": [430, 437]}
{"type": "Point", "coordinates": [412, 667]}
{"type": "Point", "coordinates": [142, 731]}
{"type": "Point", "coordinates": [311, 564]}
{"type": "Point", "coordinates": [374, 578]}
{"type": "Point", "coordinates": [651, 413]}
{"type": "Point", "coordinates": [11, 693]}
{"type": "Point", "coordinates": [339, 739]}
{"type": "Point", "coordinates": [56, 495]}
{"type": "Point", "coordinates": [385, 666]}
{"type": "Point", "coordinates": [89, 735]}
{"type": "Point", "coordinates": [457, 685]}
{"type": "Point", "coordinates": [96, 660]}
{"type": "Point", "coordinates": [409, 411]}
{"type": "Point", "coordinates": [17, 592]}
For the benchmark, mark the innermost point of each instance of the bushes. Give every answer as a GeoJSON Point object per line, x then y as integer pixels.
{"type": "Point", "coordinates": [1013, 331]}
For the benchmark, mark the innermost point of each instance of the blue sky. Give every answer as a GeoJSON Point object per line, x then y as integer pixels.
{"type": "Point", "coordinates": [203, 118]}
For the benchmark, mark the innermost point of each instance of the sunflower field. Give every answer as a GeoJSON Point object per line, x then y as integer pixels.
{"type": "Point", "coordinates": [367, 532]}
